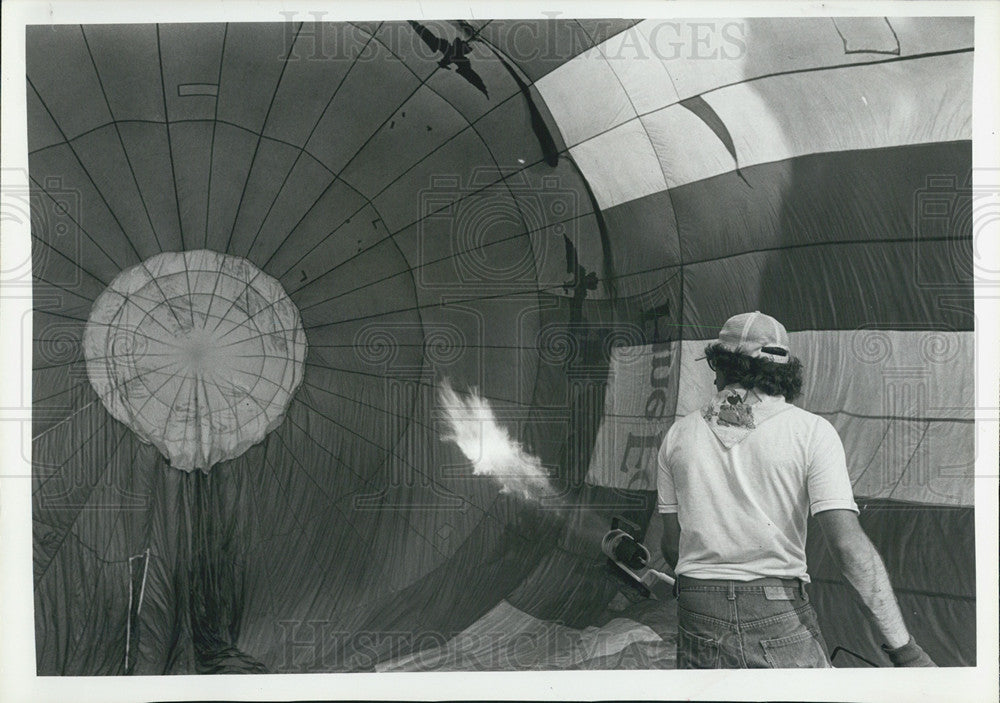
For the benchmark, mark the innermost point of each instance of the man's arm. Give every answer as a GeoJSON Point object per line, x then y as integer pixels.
{"type": "Point", "coordinates": [862, 566]}
{"type": "Point", "coordinates": [670, 541]}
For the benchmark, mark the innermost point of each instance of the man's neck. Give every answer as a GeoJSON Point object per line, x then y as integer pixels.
{"type": "Point", "coordinates": [749, 396]}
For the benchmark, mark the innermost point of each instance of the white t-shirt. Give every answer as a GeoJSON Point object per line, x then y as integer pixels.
{"type": "Point", "coordinates": [743, 509]}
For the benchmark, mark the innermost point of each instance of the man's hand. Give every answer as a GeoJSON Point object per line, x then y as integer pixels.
{"type": "Point", "coordinates": [910, 654]}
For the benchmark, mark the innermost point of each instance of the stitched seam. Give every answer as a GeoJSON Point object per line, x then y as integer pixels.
{"type": "Point", "coordinates": [790, 639]}
{"type": "Point", "coordinates": [778, 618]}
{"type": "Point", "coordinates": [739, 632]}
{"type": "Point", "coordinates": [738, 589]}
{"type": "Point", "coordinates": [709, 619]}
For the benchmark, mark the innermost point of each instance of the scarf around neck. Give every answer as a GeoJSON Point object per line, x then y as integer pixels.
{"type": "Point", "coordinates": [735, 412]}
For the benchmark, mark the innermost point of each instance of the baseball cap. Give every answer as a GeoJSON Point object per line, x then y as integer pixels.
{"type": "Point", "coordinates": [757, 335]}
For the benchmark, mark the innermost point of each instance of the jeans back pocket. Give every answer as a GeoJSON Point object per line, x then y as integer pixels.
{"type": "Point", "coordinates": [695, 651]}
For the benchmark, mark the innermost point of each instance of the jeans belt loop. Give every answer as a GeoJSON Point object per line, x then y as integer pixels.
{"type": "Point", "coordinates": [802, 588]}
{"type": "Point", "coordinates": [731, 591]}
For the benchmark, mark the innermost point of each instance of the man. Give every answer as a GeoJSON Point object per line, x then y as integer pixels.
{"type": "Point", "coordinates": [737, 481]}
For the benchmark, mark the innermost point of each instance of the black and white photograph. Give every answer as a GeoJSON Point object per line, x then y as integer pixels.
{"type": "Point", "coordinates": [425, 342]}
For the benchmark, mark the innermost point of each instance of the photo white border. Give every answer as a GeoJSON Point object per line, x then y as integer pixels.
{"type": "Point", "coordinates": [17, 651]}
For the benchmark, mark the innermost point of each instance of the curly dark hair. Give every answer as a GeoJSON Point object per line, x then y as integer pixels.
{"type": "Point", "coordinates": [755, 373]}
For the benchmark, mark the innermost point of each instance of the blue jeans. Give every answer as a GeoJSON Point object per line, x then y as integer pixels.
{"type": "Point", "coordinates": [765, 623]}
